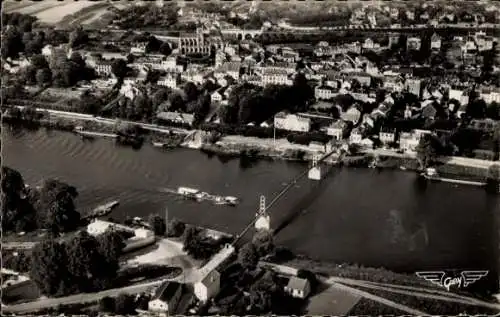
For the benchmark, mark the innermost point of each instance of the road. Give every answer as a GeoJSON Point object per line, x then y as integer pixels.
{"type": "Point", "coordinates": [87, 117]}
{"type": "Point", "coordinates": [287, 26]}
{"type": "Point", "coordinates": [79, 298]}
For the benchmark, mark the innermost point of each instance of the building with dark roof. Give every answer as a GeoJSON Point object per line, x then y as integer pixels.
{"type": "Point", "coordinates": [166, 297]}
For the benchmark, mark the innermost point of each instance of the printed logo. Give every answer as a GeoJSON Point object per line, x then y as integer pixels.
{"type": "Point", "coordinates": [439, 278]}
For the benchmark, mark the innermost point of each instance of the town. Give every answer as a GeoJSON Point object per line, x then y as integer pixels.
{"type": "Point", "coordinates": [388, 85]}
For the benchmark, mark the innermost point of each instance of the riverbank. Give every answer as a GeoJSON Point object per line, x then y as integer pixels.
{"type": "Point", "coordinates": [250, 148]}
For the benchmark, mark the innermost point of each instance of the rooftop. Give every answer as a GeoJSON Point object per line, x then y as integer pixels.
{"type": "Point", "coordinates": [297, 283]}
{"type": "Point", "coordinates": [166, 291]}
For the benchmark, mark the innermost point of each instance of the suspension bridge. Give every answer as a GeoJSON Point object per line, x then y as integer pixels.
{"type": "Point", "coordinates": [262, 219]}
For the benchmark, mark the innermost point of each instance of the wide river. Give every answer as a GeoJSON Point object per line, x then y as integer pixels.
{"type": "Point", "coordinates": [355, 215]}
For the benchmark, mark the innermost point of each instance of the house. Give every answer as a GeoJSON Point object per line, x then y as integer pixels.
{"type": "Point", "coordinates": [460, 95]}
{"type": "Point", "coordinates": [324, 92]}
{"type": "Point", "coordinates": [435, 42]}
{"type": "Point", "coordinates": [171, 80]}
{"type": "Point", "coordinates": [355, 137]}
{"type": "Point", "coordinates": [387, 137]}
{"type": "Point", "coordinates": [138, 48]}
{"type": "Point", "coordinates": [414, 86]}
{"type": "Point", "coordinates": [218, 95]}
{"type": "Point", "coordinates": [276, 77]}
{"type": "Point", "coordinates": [352, 115]}
{"type": "Point", "coordinates": [428, 110]}
{"type": "Point", "coordinates": [208, 287]}
{"type": "Point", "coordinates": [292, 122]}
{"type": "Point", "coordinates": [166, 298]}
{"type": "Point", "coordinates": [336, 129]}
{"type": "Point", "coordinates": [177, 117]}
{"type": "Point", "coordinates": [408, 142]}
{"type": "Point", "coordinates": [413, 43]}
{"type": "Point", "coordinates": [298, 287]}
{"type": "Point", "coordinates": [366, 143]}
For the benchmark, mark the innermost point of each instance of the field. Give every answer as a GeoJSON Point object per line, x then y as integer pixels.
{"type": "Point", "coordinates": [66, 13]}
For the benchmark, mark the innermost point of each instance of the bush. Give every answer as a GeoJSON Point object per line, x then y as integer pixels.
{"type": "Point", "coordinates": [125, 304]}
{"type": "Point", "coordinates": [107, 304]}
{"type": "Point", "coordinates": [175, 228]}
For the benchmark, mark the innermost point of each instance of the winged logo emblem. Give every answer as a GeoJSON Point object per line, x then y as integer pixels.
{"type": "Point", "coordinates": [435, 277]}
{"type": "Point", "coordinates": [470, 277]}
{"type": "Point", "coordinates": [439, 278]}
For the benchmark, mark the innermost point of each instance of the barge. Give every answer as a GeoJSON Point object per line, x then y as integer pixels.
{"type": "Point", "coordinates": [196, 194]}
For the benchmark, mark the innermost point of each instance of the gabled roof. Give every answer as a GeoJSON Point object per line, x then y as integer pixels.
{"type": "Point", "coordinates": [210, 278]}
{"type": "Point", "coordinates": [297, 283]}
{"type": "Point", "coordinates": [166, 291]}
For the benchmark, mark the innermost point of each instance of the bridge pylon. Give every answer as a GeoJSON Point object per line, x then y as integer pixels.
{"type": "Point", "coordinates": [263, 221]}
{"type": "Point", "coordinates": [315, 172]}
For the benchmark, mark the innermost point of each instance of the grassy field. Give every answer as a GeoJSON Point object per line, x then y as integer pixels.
{"type": "Point", "coordinates": [431, 306]}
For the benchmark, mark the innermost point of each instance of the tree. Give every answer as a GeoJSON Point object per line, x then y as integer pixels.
{"type": "Point", "coordinates": [158, 225]}
{"type": "Point", "coordinates": [124, 304]}
{"type": "Point", "coordinates": [111, 244]}
{"type": "Point", "coordinates": [159, 97]}
{"type": "Point", "coordinates": [165, 49]}
{"type": "Point", "coordinates": [77, 59]}
{"type": "Point", "coordinates": [48, 266]}
{"type": "Point", "coordinates": [43, 77]}
{"type": "Point", "coordinates": [77, 37]}
{"type": "Point", "coordinates": [38, 61]}
{"type": "Point", "coordinates": [107, 304]}
{"type": "Point", "coordinates": [263, 242]}
{"type": "Point", "coordinates": [247, 256]}
{"type": "Point", "coordinates": [191, 91]}
{"type": "Point", "coordinates": [83, 254]}
{"type": "Point", "coordinates": [493, 111]}
{"type": "Point", "coordinates": [12, 43]}
{"type": "Point", "coordinates": [428, 150]}
{"type": "Point", "coordinates": [175, 228]}
{"type": "Point", "coordinates": [176, 102]}
{"type": "Point", "coordinates": [119, 68]}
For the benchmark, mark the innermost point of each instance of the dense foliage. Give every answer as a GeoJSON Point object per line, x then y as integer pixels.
{"type": "Point", "coordinates": [81, 264]}
{"type": "Point", "coordinates": [50, 206]}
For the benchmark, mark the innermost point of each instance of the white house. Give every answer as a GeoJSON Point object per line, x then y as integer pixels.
{"type": "Point", "coordinates": [352, 115]}
{"type": "Point", "coordinates": [435, 42]}
{"type": "Point", "coordinates": [324, 92]}
{"type": "Point", "coordinates": [355, 137]}
{"type": "Point", "coordinates": [216, 96]}
{"type": "Point", "coordinates": [336, 130]}
{"type": "Point", "coordinates": [208, 287]}
{"type": "Point", "coordinates": [166, 298]}
{"type": "Point", "coordinates": [298, 287]}
{"type": "Point", "coordinates": [459, 95]}
{"type": "Point", "coordinates": [292, 122]}
{"type": "Point", "coordinates": [408, 142]}
{"type": "Point", "coordinates": [413, 43]}
{"type": "Point", "coordinates": [171, 80]}
{"type": "Point", "coordinates": [387, 137]}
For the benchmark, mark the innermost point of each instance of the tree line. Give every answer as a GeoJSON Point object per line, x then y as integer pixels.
{"type": "Point", "coordinates": [50, 206]}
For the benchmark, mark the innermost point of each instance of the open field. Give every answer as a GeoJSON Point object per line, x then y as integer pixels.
{"type": "Point", "coordinates": [52, 12]}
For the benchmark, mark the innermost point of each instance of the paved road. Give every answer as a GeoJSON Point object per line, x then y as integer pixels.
{"type": "Point", "coordinates": [79, 298]}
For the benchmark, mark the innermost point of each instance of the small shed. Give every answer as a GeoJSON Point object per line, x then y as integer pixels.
{"type": "Point", "coordinates": [298, 287]}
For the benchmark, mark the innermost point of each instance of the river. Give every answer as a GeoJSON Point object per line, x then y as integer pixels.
{"type": "Point", "coordinates": [355, 215]}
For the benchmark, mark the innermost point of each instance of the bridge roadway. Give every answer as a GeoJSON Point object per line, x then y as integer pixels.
{"type": "Point", "coordinates": [278, 196]}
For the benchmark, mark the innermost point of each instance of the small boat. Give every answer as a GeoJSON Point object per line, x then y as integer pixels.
{"type": "Point", "coordinates": [402, 168]}
{"type": "Point", "coordinates": [105, 209]}
{"type": "Point", "coordinates": [158, 144]}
